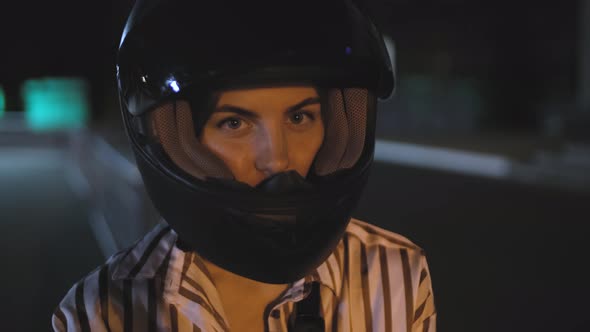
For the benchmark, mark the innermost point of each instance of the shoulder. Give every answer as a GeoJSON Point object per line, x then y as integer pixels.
{"type": "Point", "coordinates": [104, 290]}
{"type": "Point", "coordinates": [373, 236]}
{"type": "Point", "coordinates": [375, 244]}
{"type": "Point", "coordinates": [376, 250]}
{"type": "Point", "coordinates": [388, 258]}
{"type": "Point", "coordinates": [81, 306]}
{"type": "Point", "coordinates": [374, 247]}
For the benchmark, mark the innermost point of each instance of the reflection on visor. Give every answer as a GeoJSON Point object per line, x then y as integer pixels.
{"type": "Point", "coordinates": [174, 86]}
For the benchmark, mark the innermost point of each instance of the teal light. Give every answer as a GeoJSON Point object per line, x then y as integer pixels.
{"type": "Point", "coordinates": [2, 101]}
{"type": "Point", "coordinates": [56, 103]}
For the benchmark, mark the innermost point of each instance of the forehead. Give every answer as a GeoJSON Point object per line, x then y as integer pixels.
{"type": "Point", "coordinates": [257, 98]}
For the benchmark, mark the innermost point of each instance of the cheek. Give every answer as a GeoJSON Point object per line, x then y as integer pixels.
{"type": "Point", "coordinates": [231, 152]}
{"type": "Point", "coordinates": [304, 147]}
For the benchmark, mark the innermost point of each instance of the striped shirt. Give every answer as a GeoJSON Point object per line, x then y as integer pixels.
{"type": "Point", "coordinates": [375, 280]}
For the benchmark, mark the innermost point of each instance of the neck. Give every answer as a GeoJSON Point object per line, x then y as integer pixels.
{"type": "Point", "coordinates": [237, 293]}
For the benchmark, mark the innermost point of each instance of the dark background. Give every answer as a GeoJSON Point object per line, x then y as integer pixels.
{"type": "Point", "coordinates": [509, 79]}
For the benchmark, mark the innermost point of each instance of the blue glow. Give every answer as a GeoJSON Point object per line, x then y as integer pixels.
{"type": "Point", "coordinates": [2, 102]}
{"type": "Point", "coordinates": [56, 103]}
{"type": "Point", "coordinates": [348, 50]}
{"type": "Point", "coordinates": [174, 86]}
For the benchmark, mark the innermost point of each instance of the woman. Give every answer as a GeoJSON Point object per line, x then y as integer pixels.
{"type": "Point", "coordinates": [253, 128]}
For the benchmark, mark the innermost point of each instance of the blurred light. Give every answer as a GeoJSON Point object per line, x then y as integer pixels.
{"type": "Point", "coordinates": [174, 86]}
{"type": "Point", "coordinates": [2, 101]}
{"type": "Point", "coordinates": [449, 160]}
{"type": "Point", "coordinates": [56, 103]}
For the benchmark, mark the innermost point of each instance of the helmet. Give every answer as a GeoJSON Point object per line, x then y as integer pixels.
{"type": "Point", "coordinates": [175, 54]}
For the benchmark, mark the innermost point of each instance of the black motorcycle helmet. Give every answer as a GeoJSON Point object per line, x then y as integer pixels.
{"type": "Point", "coordinates": [175, 54]}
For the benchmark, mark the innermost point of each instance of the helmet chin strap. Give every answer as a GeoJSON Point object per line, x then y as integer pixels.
{"type": "Point", "coordinates": [307, 314]}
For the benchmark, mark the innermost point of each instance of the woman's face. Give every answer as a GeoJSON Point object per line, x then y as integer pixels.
{"type": "Point", "coordinates": [263, 131]}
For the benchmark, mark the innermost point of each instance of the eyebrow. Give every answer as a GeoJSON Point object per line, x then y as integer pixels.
{"type": "Point", "coordinates": [302, 104]}
{"type": "Point", "coordinates": [253, 115]}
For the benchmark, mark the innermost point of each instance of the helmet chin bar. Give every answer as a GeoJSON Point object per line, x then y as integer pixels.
{"type": "Point", "coordinates": [284, 183]}
{"type": "Point", "coordinates": [271, 241]}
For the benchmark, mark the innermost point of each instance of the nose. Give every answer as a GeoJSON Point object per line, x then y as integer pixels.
{"type": "Point", "coordinates": [272, 152]}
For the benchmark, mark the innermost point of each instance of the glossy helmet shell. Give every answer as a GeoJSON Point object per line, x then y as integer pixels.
{"type": "Point", "coordinates": [179, 49]}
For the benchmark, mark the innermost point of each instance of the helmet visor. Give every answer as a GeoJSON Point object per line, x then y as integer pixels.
{"type": "Point", "coordinates": [174, 128]}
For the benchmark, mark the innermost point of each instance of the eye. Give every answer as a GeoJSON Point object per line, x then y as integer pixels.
{"type": "Point", "coordinates": [300, 117]}
{"type": "Point", "coordinates": [230, 123]}
{"type": "Point", "coordinates": [297, 117]}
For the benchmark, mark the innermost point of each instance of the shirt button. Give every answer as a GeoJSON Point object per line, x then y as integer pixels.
{"type": "Point", "coordinates": [275, 314]}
